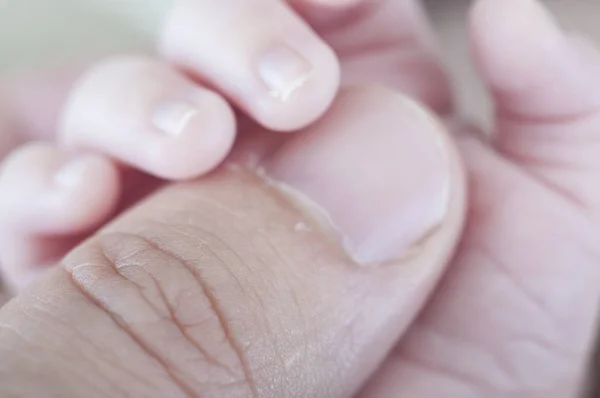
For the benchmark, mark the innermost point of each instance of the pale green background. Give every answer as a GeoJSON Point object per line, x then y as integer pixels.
{"type": "Point", "coordinates": [36, 32]}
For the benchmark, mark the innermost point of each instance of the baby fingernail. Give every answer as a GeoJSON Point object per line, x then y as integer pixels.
{"type": "Point", "coordinates": [71, 173]}
{"type": "Point", "coordinates": [172, 117]}
{"type": "Point", "coordinates": [283, 71]}
{"type": "Point", "coordinates": [378, 170]}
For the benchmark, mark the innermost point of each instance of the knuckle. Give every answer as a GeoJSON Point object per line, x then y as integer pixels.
{"type": "Point", "coordinates": [169, 308]}
{"type": "Point", "coordinates": [214, 289]}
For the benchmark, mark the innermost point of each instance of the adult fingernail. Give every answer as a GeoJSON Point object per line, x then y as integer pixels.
{"type": "Point", "coordinates": [378, 169]}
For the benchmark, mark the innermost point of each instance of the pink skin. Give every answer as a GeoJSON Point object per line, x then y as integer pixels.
{"type": "Point", "coordinates": [515, 314]}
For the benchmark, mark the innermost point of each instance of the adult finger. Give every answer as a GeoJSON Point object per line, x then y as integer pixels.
{"type": "Point", "coordinates": [294, 282]}
{"type": "Point", "coordinates": [546, 88]}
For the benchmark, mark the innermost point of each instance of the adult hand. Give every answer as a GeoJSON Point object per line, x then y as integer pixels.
{"type": "Point", "coordinates": [239, 284]}
{"type": "Point", "coordinates": [514, 315]}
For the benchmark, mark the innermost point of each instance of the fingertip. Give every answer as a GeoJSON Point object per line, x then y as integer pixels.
{"type": "Point", "coordinates": [146, 114]}
{"type": "Point", "coordinates": [273, 65]}
{"type": "Point", "coordinates": [50, 200]}
{"type": "Point", "coordinates": [204, 132]}
{"type": "Point", "coordinates": [514, 42]}
{"type": "Point", "coordinates": [90, 186]}
{"type": "Point", "coordinates": [546, 90]}
{"type": "Point", "coordinates": [302, 100]}
{"type": "Point", "coordinates": [532, 67]}
{"type": "Point", "coordinates": [49, 191]}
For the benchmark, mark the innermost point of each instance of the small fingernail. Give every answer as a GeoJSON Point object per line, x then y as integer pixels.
{"type": "Point", "coordinates": [71, 173]}
{"type": "Point", "coordinates": [172, 117]}
{"type": "Point", "coordinates": [377, 168]}
{"type": "Point", "coordinates": [283, 71]}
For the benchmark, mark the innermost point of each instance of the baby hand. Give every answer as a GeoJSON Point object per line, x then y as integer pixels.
{"type": "Point", "coordinates": [131, 118]}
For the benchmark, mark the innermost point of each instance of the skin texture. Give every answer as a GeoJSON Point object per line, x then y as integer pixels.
{"type": "Point", "coordinates": [514, 314]}
{"type": "Point", "coordinates": [212, 288]}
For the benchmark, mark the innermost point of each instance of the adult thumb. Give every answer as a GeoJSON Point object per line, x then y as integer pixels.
{"type": "Point", "coordinates": [294, 281]}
